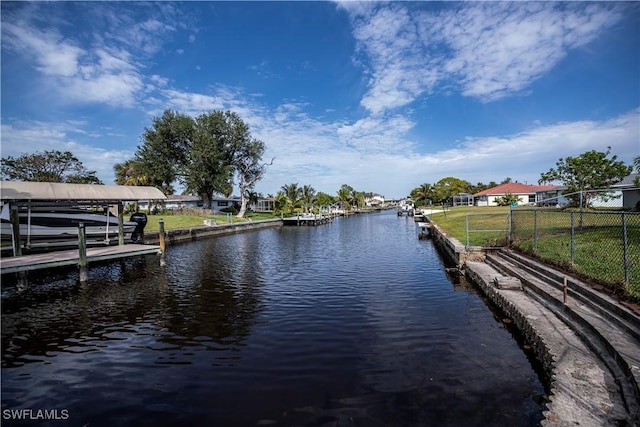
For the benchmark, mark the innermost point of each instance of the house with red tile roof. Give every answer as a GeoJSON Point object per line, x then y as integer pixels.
{"type": "Point", "coordinates": [526, 193]}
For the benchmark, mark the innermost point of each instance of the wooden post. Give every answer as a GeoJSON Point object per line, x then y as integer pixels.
{"type": "Point", "coordinates": [162, 242]}
{"type": "Point", "coordinates": [15, 225]}
{"type": "Point", "coordinates": [120, 224]}
{"type": "Point", "coordinates": [82, 253]}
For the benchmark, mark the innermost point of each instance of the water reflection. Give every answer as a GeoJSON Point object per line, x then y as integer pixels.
{"type": "Point", "coordinates": [353, 322]}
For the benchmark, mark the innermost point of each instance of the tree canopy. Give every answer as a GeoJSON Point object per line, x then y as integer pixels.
{"type": "Point", "coordinates": [205, 154]}
{"type": "Point", "coordinates": [324, 199]}
{"type": "Point", "coordinates": [592, 170]}
{"type": "Point", "coordinates": [449, 186]}
{"type": "Point", "coordinates": [423, 195]}
{"type": "Point", "coordinates": [47, 166]}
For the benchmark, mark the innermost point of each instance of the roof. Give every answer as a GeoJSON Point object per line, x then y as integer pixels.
{"type": "Point", "coordinates": [627, 181]}
{"type": "Point", "coordinates": [513, 188]}
{"type": "Point", "coordinates": [183, 198]}
{"type": "Point", "coordinates": [54, 191]}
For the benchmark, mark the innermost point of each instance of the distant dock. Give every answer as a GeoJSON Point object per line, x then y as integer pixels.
{"type": "Point", "coordinates": [71, 257]}
{"type": "Point", "coordinates": [307, 219]}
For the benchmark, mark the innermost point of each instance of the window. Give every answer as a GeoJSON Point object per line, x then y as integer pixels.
{"type": "Point", "coordinates": [223, 203]}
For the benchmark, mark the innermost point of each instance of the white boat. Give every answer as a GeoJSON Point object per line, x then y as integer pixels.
{"type": "Point", "coordinates": [405, 207]}
{"type": "Point", "coordinates": [53, 225]}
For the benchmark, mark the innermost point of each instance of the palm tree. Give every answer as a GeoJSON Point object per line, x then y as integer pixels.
{"type": "Point", "coordinates": [344, 196]}
{"type": "Point", "coordinates": [293, 195]}
{"type": "Point", "coordinates": [280, 202]}
{"type": "Point", "coordinates": [636, 163]}
{"type": "Point", "coordinates": [357, 199]}
{"type": "Point", "coordinates": [128, 173]}
{"type": "Point", "coordinates": [251, 196]}
{"type": "Point", "coordinates": [423, 194]}
{"type": "Point", "coordinates": [308, 194]}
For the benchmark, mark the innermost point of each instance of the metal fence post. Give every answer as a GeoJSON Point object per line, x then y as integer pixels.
{"type": "Point", "coordinates": [573, 249]}
{"type": "Point", "coordinates": [625, 249]}
{"type": "Point", "coordinates": [466, 217]}
{"type": "Point", "coordinates": [512, 228]}
{"type": "Point", "coordinates": [535, 230]}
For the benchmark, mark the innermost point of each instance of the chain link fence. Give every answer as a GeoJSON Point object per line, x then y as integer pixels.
{"type": "Point", "coordinates": [597, 244]}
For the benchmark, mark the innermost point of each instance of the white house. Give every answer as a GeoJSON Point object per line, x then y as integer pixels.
{"type": "Point", "coordinates": [552, 197]}
{"type": "Point", "coordinates": [374, 201]}
{"type": "Point", "coordinates": [630, 192]}
{"type": "Point", "coordinates": [526, 194]}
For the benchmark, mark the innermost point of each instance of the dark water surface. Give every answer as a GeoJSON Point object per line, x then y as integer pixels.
{"type": "Point", "coordinates": [349, 323]}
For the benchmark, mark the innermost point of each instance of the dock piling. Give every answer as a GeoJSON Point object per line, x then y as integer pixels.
{"type": "Point", "coordinates": [163, 243]}
{"type": "Point", "coordinates": [82, 253]}
{"type": "Point", "coordinates": [15, 232]}
{"type": "Point", "coordinates": [120, 224]}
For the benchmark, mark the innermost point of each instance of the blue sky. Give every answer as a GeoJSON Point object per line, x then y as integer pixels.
{"type": "Point", "coordinates": [383, 96]}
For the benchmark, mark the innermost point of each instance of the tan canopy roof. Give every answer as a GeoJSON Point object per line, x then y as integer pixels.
{"type": "Point", "coordinates": [53, 191]}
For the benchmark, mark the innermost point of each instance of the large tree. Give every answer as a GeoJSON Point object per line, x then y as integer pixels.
{"type": "Point", "coordinates": [47, 166]}
{"type": "Point", "coordinates": [247, 160]}
{"type": "Point", "coordinates": [164, 149]}
{"type": "Point", "coordinates": [592, 170]}
{"type": "Point", "coordinates": [204, 154]}
{"type": "Point", "coordinates": [449, 186]}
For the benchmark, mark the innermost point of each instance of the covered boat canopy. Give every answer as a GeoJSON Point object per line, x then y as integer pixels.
{"type": "Point", "coordinates": [12, 191]}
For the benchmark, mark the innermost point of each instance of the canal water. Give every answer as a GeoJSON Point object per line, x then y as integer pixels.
{"type": "Point", "coordinates": [352, 323]}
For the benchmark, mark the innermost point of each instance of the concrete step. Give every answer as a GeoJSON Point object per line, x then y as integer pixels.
{"type": "Point", "coordinates": [609, 329]}
{"type": "Point", "coordinates": [582, 389]}
{"type": "Point", "coordinates": [607, 306]}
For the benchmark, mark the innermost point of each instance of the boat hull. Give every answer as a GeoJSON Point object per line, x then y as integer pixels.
{"type": "Point", "coordinates": [54, 227]}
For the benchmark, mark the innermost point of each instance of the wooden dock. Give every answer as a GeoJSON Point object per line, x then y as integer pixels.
{"type": "Point", "coordinates": [307, 220]}
{"type": "Point", "coordinates": [72, 257]}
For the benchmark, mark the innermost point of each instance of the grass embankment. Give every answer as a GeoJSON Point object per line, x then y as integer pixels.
{"type": "Point", "coordinates": [597, 248]}
{"type": "Point", "coordinates": [172, 222]}
{"type": "Point", "coordinates": [493, 220]}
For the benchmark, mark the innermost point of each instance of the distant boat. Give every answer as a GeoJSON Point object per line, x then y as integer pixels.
{"type": "Point", "coordinates": [406, 206]}
{"type": "Point", "coordinates": [53, 225]}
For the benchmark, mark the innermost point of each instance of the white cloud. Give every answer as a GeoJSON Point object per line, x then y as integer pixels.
{"type": "Point", "coordinates": [190, 103]}
{"type": "Point", "coordinates": [314, 153]}
{"type": "Point", "coordinates": [53, 55]}
{"type": "Point", "coordinates": [36, 136]}
{"type": "Point", "coordinates": [486, 50]}
{"type": "Point", "coordinates": [105, 69]}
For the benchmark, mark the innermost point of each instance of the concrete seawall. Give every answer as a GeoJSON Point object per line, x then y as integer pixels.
{"type": "Point", "coordinates": [582, 388]}
{"type": "Point", "coordinates": [194, 233]}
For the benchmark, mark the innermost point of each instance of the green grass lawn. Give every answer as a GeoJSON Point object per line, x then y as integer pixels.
{"type": "Point", "coordinates": [454, 221]}
{"type": "Point", "coordinates": [172, 222]}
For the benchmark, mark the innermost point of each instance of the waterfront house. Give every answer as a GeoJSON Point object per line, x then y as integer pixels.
{"type": "Point", "coordinates": [552, 197]}
{"type": "Point", "coordinates": [179, 201]}
{"type": "Point", "coordinates": [526, 194]}
{"type": "Point", "coordinates": [376, 201]}
{"type": "Point", "coordinates": [630, 192]}
{"type": "Point", "coordinates": [461, 199]}
{"type": "Point", "coordinates": [622, 195]}
{"type": "Point", "coordinates": [265, 204]}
